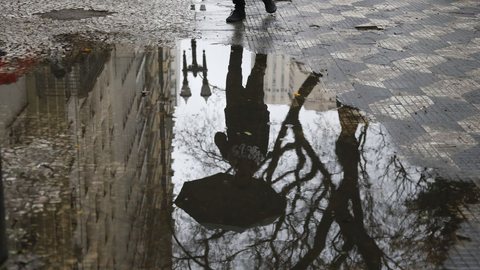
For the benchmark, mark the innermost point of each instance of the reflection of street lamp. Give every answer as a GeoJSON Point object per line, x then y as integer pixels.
{"type": "Point", "coordinates": [185, 93]}
{"type": "Point", "coordinates": [195, 69]}
{"type": "Point", "coordinates": [206, 92]}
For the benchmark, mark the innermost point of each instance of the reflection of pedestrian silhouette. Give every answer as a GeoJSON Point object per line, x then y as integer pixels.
{"type": "Point", "coordinates": [346, 200]}
{"type": "Point", "coordinates": [246, 115]}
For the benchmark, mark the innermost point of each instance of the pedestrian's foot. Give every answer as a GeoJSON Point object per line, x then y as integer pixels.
{"type": "Point", "coordinates": [237, 15]}
{"type": "Point", "coordinates": [317, 74]}
{"type": "Point", "coordinates": [270, 6]}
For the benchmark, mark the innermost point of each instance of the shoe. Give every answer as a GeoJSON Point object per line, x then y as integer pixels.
{"type": "Point", "coordinates": [270, 6]}
{"type": "Point", "coordinates": [237, 15]}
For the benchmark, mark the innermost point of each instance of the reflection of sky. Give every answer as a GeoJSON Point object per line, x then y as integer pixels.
{"type": "Point", "coordinates": [386, 216]}
{"type": "Point", "coordinates": [196, 123]}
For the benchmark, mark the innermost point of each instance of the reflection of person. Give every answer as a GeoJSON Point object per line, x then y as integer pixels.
{"type": "Point", "coordinates": [238, 14]}
{"type": "Point", "coordinates": [346, 200]}
{"type": "Point", "coordinates": [246, 115]}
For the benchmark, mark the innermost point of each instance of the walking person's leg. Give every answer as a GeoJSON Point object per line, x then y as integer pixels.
{"type": "Point", "coordinates": [238, 13]}
{"type": "Point", "coordinates": [270, 6]}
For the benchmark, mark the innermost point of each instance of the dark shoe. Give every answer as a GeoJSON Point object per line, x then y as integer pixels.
{"type": "Point", "coordinates": [237, 15]}
{"type": "Point", "coordinates": [270, 6]}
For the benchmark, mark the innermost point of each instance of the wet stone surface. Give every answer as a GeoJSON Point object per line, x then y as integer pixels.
{"type": "Point", "coordinates": [30, 29]}
{"type": "Point", "coordinates": [97, 148]}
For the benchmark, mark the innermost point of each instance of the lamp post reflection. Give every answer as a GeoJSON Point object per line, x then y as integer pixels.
{"type": "Point", "coordinates": [194, 68]}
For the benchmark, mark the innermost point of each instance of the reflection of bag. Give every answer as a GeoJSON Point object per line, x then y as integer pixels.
{"type": "Point", "coordinates": [249, 152]}
{"type": "Point", "coordinates": [248, 125]}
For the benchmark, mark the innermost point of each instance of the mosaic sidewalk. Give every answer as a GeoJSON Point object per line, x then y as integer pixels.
{"type": "Point", "coordinates": [413, 65]}
{"type": "Point", "coordinates": [417, 71]}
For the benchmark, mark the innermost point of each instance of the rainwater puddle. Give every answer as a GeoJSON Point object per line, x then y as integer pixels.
{"type": "Point", "coordinates": [207, 156]}
{"type": "Point", "coordinates": [73, 14]}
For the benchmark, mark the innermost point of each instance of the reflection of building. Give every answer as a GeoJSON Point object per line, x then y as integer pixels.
{"type": "Point", "coordinates": [109, 112]}
{"type": "Point", "coordinates": [123, 132]}
{"type": "Point", "coordinates": [36, 114]}
{"type": "Point", "coordinates": [13, 99]}
{"type": "Point", "coordinates": [278, 84]}
{"type": "Point", "coordinates": [284, 76]}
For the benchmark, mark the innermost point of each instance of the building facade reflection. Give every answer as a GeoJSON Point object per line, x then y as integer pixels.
{"type": "Point", "coordinates": [103, 122]}
{"type": "Point", "coordinates": [123, 137]}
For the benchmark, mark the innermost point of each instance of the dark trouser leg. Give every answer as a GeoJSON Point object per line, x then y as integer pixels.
{"type": "Point", "coordinates": [254, 85]}
{"type": "Point", "coordinates": [234, 76]}
{"type": "Point", "coordinates": [239, 4]}
{"type": "Point", "coordinates": [238, 14]}
{"type": "Point", "coordinates": [255, 94]}
{"type": "Point", "coordinates": [270, 6]}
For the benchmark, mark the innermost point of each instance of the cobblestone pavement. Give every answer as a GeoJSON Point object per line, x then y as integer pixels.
{"type": "Point", "coordinates": [418, 72]}
{"type": "Point", "coordinates": [26, 31]}
{"type": "Point", "coordinates": [413, 65]}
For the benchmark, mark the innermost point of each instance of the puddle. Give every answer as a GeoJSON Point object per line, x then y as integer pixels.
{"type": "Point", "coordinates": [74, 14]}
{"type": "Point", "coordinates": [97, 148]}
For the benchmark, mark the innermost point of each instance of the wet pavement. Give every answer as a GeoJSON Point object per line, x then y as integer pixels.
{"type": "Point", "coordinates": [97, 148]}
{"type": "Point", "coordinates": [341, 134]}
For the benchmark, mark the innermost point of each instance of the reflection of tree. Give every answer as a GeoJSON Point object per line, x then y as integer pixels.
{"type": "Point", "coordinates": [344, 197]}
{"type": "Point", "coordinates": [442, 200]}
{"type": "Point", "coordinates": [199, 148]}
{"type": "Point", "coordinates": [351, 225]}
{"type": "Point", "coordinates": [332, 220]}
